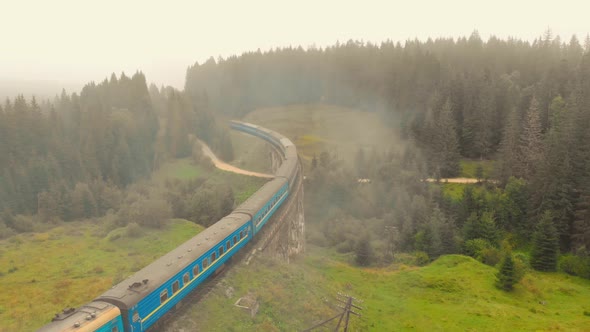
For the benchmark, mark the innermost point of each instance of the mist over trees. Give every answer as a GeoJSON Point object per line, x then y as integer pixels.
{"type": "Point", "coordinates": [525, 105]}
{"type": "Point", "coordinates": [72, 158]}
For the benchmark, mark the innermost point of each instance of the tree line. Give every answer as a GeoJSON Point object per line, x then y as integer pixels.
{"type": "Point", "coordinates": [524, 104]}
{"type": "Point", "coordinates": [72, 157]}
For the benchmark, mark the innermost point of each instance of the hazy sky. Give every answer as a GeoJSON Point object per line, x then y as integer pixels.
{"type": "Point", "coordinates": [78, 40]}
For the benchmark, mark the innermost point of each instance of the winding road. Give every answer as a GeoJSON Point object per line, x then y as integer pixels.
{"type": "Point", "coordinates": [231, 168]}
{"type": "Point", "coordinates": [456, 180]}
{"type": "Point", "coordinates": [227, 167]}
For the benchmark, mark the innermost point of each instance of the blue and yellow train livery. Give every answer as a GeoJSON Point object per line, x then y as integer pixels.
{"type": "Point", "coordinates": [138, 302]}
{"type": "Point", "coordinates": [151, 292]}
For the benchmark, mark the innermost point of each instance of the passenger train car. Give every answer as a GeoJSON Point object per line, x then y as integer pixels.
{"type": "Point", "coordinates": [138, 302]}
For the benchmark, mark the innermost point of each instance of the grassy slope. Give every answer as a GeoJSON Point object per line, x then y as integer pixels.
{"type": "Point", "coordinates": [454, 293]}
{"type": "Point", "coordinates": [75, 262]}
{"type": "Point", "coordinates": [469, 168]}
{"type": "Point", "coordinates": [316, 128]}
{"type": "Point", "coordinates": [71, 264]}
{"type": "Point", "coordinates": [184, 169]}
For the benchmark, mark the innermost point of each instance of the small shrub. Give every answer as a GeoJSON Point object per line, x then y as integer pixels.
{"type": "Point", "coordinates": [5, 231]}
{"type": "Point", "coordinates": [490, 256]}
{"type": "Point", "coordinates": [114, 237]}
{"type": "Point", "coordinates": [575, 265]}
{"type": "Point", "coordinates": [98, 269]}
{"type": "Point", "coordinates": [387, 258]}
{"type": "Point", "coordinates": [405, 259]}
{"type": "Point", "coordinates": [133, 230]}
{"type": "Point", "coordinates": [15, 240]}
{"type": "Point", "coordinates": [364, 252]}
{"type": "Point", "coordinates": [421, 258]}
{"type": "Point", "coordinates": [23, 224]}
{"type": "Point", "coordinates": [521, 265]}
{"type": "Point", "coordinates": [317, 238]}
{"type": "Point", "coordinates": [586, 313]}
{"type": "Point", "coordinates": [474, 247]}
{"type": "Point", "coordinates": [345, 247]}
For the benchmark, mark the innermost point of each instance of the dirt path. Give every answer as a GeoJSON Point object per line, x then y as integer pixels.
{"type": "Point", "coordinates": [227, 167]}
{"type": "Point", "coordinates": [230, 168]}
{"type": "Point", "coordinates": [455, 180]}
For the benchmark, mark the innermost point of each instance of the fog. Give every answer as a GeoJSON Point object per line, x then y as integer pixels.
{"type": "Point", "coordinates": [73, 42]}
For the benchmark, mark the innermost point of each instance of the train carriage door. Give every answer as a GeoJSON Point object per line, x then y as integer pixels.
{"type": "Point", "coordinates": [136, 323]}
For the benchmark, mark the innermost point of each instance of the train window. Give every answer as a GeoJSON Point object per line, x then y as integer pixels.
{"type": "Point", "coordinates": [228, 244]}
{"type": "Point", "coordinates": [175, 286]}
{"type": "Point", "coordinates": [115, 329]}
{"type": "Point", "coordinates": [164, 296]}
{"type": "Point", "coordinates": [220, 251]}
{"type": "Point", "coordinates": [241, 235]}
{"type": "Point", "coordinates": [185, 278]}
{"type": "Point", "coordinates": [213, 256]}
{"type": "Point", "coordinates": [205, 263]}
{"type": "Point", "coordinates": [235, 240]}
{"type": "Point", "coordinates": [195, 271]}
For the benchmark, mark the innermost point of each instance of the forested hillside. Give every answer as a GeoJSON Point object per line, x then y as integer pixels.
{"type": "Point", "coordinates": [70, 158]}
{"type": "Point", "coordinates": [525, 105]}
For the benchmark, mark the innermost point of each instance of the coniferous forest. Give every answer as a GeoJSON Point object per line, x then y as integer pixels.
{"type": "Point", "coordinates": [72, 157]}
{"type": "Point", "coordinates": [524, 105]}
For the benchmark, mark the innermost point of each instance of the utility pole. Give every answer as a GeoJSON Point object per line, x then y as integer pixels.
{"type": "Point", "coordinates": [347, 305]}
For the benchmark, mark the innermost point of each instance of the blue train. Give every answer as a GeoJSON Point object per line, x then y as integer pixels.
{"type": "Point", "coordinates": [138, 302]}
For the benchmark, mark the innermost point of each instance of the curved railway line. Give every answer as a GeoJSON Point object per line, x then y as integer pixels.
{"type": "Point", "coordinates": [142, 300]}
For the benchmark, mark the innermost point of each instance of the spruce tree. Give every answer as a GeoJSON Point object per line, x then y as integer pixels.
{"type": "Point", "coordinates": [441, 135]}
{"type": "Point", "coordinates": [508, 162]}
{"type": "Point", "coordinates": [531, 142]}
{"type": "Point", "coordinates": [506, 277]}
{"type": "Point", "coordinates": [364, 253]}
{"type": "Point", "coordinates": [545, 245]}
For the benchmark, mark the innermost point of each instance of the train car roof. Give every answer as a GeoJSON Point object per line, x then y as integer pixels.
{"type": "Point", "coordinates": [286, 142]}
{"type": "Point", "coordinates": [88, 317]}
{"type": "Point", "coordinates": [262, 196]}
{"type": "Point", "coordinates": [130, 291]}
{"type": "Point", "coordinates": [244, 123]}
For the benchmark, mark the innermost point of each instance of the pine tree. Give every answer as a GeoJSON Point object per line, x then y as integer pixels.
{"type": "Point", "coordinates": [579, 147]}
{"type": "Point", "coordinates": [531, 142]}
{"type": "Point", "coordinates": [551, 187]}
{"type": "Point", "coordinates": [483, 140]}
{"type": "Point", "coordinates": [506, 277]}
{"type": "Point", "coordinates": [513, 207]}
{"type": "Point", "coordinates": [509, 147]}
{"type": "Point", "coordinates": [364, 253]}
{"type": "Point", "coordinates": [545, 245]}
{"type": "Point", "coordinates": [483, 227]}
{"type": "Point", "coordinates": [445, 146]}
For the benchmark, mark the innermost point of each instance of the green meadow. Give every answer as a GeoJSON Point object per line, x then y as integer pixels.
{"type": "Point", "coordinates": [453, 293]}
{"type": "Point", "coordinates": [67, 266]}
{"type": "Point", "coordinates": [72, 263]}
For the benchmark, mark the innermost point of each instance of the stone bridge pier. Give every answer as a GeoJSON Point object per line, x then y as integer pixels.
{"type": "Point", "coordinates": [284, 235]}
